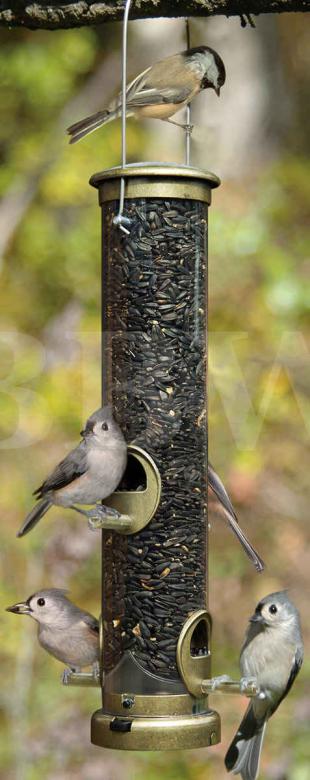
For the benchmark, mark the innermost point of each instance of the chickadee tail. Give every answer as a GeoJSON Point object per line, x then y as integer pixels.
{"type": "Point", "coordinates": [218, 489]}
{"type": "Point", "coordinates": [243, 755]}
{"type": "Point", "coordinates": [89, 124]}
{"type": "Point", "coordinates": [34, 516]}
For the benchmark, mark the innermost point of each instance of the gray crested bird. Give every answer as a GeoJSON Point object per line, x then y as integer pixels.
{"type": "Point", "coordinates": [161, 90]}
{"type": "Point", "coordinates": [221, 503]}
{"type": "Point", "coordinates": [272, 653]}
{"type": "Point", "coordinates": [88, 474]}
{"type": "Point", "coordinates": [67, 632]}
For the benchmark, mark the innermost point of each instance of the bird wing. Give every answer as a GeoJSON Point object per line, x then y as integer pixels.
{"type": "Point", "coordinates": [71, 467]}
{"type": "Point", "coordinates": [135, 85]}
{"type": "Point", "coordinates": [149, 96]}
{"type": "Point", "coordinates": [296, 665]}
{"type": "Point", "coordinates": [91, 621]}
{"type": "Point", "coordinates": [131, 90]}
{"type": "Point", "coordinates": [152, 87]}
{"type": "Point", "coordinates": [157, 85]}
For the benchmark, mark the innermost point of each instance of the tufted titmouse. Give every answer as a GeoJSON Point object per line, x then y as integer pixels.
{"type": "Point", "coordinates": [65, 631]}
{"type": "Point", "coordinates": [220, 501]}
{"type": "Point", "coordinates": [89, 473]}
{"type": "Point", "coordinates": [272, 653]}
{"type": "Point", "coordinates": [162, 89]}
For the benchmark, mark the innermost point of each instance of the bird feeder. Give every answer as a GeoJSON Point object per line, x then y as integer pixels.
{"type": "Point", "coordinates": [155, 637]}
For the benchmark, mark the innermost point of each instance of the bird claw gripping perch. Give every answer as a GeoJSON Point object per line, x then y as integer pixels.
{"type": "Point", "coordinates": [105, 517]}
{"type": "Point", "coordinates": [217, 682]}
{"type": "Point", "coordinates": [248, 684]}
{"type": "Point", "coordinates": [187, 127]}
{"type": "Point", "coordinates": [66, 676]}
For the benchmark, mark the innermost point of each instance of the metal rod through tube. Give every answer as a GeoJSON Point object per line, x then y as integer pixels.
{"type": "Point", "coordinates": [120, 220]}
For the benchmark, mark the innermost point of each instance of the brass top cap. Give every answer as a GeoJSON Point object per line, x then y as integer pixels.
{"type": "Point", "coordinates": [155, 169]}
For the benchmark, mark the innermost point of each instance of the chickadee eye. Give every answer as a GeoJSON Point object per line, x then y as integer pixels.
{"type": "Point", "coordinates": [104, 426]}
{"type": "Point", "coordinates": [273, 609]}
{"type": "Point", "coordinates": [41, 602]}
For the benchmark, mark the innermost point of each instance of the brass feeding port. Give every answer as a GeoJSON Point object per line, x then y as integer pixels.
{"type": "Point", "coordinates": [156, 631]}
{"type": "Point", "coordinates": [166, 716]}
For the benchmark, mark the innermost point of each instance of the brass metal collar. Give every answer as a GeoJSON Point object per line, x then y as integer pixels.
{"type": "Point", "coordinates": [155, 180]}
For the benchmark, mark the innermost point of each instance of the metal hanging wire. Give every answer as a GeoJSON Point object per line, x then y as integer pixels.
{"type": "Point", "coordinates": [188, 131]}
{"type": "Point", "coordinates": [120, 221]}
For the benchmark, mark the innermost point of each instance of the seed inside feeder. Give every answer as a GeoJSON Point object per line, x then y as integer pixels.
{"type": "Point", "coordinates": [154, 296]}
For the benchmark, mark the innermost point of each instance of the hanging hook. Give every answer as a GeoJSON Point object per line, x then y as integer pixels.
{"type": "Point", "coordinates": [188, 130]}
{"type": "Point", "coordinates": [121, 221]}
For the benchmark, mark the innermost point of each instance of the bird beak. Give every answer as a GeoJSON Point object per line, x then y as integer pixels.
{"type": "Point", "coordinates": [22, 608]}
{"type": "Point", "coordinates": [257, 618]}
{"type": "Point", "coordinates": [83, 434]}
{"type": "Point", "coordinates": [217, 90]}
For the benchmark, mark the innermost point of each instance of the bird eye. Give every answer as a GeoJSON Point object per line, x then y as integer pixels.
{"type": "Point", "coordinates": [273, 609]}
{"type": "Point", "coordinates": [104, 426]}
{"type": "Point", "coordinates": [41, 602]}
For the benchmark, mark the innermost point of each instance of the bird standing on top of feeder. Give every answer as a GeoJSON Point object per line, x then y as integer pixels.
{"type": "Point", "coordinates": [88, 474]}
{"type": "Point", "coordinates": [161, 90]}
{"type": "Point", "coordinates": [272, 653]}
{"type": "Point", "coordinates": [220, 501]}
{"type": "Point", "coordinates": [67, 632]}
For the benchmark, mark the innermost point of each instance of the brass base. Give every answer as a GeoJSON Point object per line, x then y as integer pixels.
{"type": "Point", "coordinates": [160, 733]}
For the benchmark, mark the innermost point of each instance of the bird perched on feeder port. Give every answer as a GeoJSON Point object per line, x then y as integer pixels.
{"type": "Point", "coordinates": [161, 90]}
{"type": "Point", "coordinates": [67, 632]}
{"type": "Point", "coordinates": [272, 653]}
{"type": "Point", "coordinates": [219, 501]}
{"type": "Point", "coordinates": [88, 474]}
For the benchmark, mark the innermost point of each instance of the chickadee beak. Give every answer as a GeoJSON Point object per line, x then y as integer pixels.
{"type": "Point", "coordinates": [22, 608]}
{"type": "Point", "coordinates": [257, 618]}
{"type": "Point", "coordinates": [83, 434]}
{"type": "Point", "coordinates": [217, 90]}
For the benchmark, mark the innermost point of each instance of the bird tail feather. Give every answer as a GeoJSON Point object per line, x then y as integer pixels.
{"type": "Point", "coordinates": [243, 755]}
{"type": "Point", "coordinates": [34, 516]}
{"type": "Point", "coordinates": [89, 124]}
{"type": "Point", "coordinates": [247, 546]}
{"type": "Point", "coordinates": [221, 494]}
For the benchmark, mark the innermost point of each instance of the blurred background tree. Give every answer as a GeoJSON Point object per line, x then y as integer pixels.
{"type": "Point", "coordinates": [256, 138]}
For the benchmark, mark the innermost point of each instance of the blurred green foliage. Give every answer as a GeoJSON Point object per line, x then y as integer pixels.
{"type": "Point", "coordinates": [50, 380]}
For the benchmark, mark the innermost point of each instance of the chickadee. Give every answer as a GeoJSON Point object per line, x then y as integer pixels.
{"type": "Point", "coordinates": [65, 631]}
{"type": "Point", "coordinates": [161, 90]}
{"type": "Point", "coordinates": [272, 653]}
{"type": "Point", "coordinates": [220, 501]}
{"type": "Point", "coordinates": [89, 473]}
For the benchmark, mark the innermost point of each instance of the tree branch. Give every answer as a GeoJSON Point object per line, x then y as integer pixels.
{"type": "Point", "coordinates": [56, 15]}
